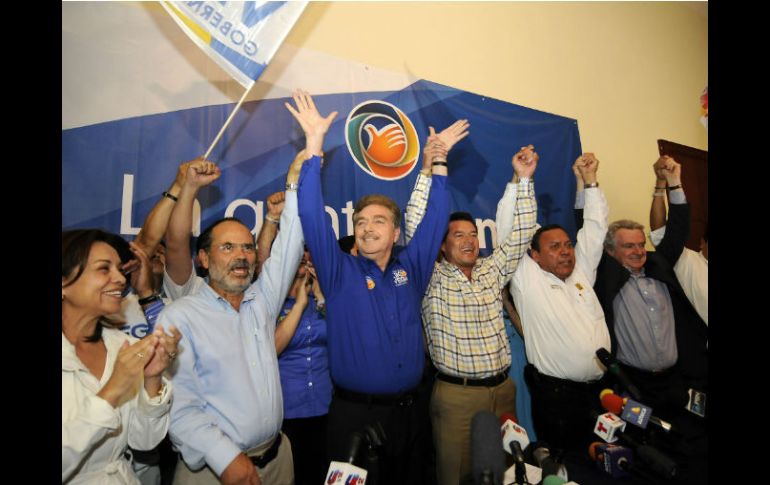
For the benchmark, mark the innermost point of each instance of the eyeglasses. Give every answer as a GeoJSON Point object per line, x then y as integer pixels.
{"type": "Point", "coordinates": [228, 247]}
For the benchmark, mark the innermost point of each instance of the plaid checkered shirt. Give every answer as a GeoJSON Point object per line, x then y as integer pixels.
{"type": "Point", "coordinates": [463, 319]}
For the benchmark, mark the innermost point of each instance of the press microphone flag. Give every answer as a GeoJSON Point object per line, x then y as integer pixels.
{"type": "Point", "coordinates": [608, 426]}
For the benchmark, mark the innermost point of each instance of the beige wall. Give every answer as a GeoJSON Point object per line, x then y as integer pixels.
{"type": "Point", "coordinates": [629, 72]}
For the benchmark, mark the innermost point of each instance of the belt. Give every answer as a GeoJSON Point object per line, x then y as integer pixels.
{"type": "Point", "coordinates": [483, 382]}
{"type": "Point", "coordinates": [262, 460]}
{"type": "Point", "coordinates": [401, 399]}
{"type": "Point", "coordinates": [544, 378]}
{"type": "Point", "coordinates": [641, 372]}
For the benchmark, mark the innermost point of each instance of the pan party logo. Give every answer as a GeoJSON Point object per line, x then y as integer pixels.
{"type": "Point", "coordinates": [382, 140]}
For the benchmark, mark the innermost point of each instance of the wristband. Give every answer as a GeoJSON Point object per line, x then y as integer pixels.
{"type": "Point", "coordinates": [149, 299]}
{"type": "Point", "coordinates": [674, 187]}
{"type": "Point", "coordinates": [270, 219]}
{"type": "Point", "coordinates": [592, 184]}
{"type": "Point", "coordinates": [292, 186]}
{"type": "Point", "coordinates": [169, 196]}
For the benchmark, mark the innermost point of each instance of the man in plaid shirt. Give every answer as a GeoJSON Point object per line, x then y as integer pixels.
{"type": "Point", "coordinates": [463, 319]}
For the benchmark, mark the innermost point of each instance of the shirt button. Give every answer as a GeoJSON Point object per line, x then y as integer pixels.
{"type": "Point", "coordinates": [652, 309]}
{"type": "Point", "coordinates": [308, 359]}
{"type": "Point", "coordinates": [310, 384]}
{"type": "Point", "coordinates": [308, 327]}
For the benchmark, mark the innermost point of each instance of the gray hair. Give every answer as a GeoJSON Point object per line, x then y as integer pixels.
{"type": "Point", "coordinates": [609, 238]}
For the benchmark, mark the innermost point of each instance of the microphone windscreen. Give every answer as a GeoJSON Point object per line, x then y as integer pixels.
{"type": "Point", "coordinates": [487, 459]}
{"type": "Point", "coordinates": [554, 480]}
{"type": "Point", "coordinates": [592, 449]}
{"type": "Point", "coordinates": [604, 356]}
{"type": "Point", "coordinates": [505, 417]}
{"type": "Point", "coordinates": [613, 403]}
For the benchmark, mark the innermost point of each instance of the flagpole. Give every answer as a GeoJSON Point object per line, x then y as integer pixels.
{"type": "Point", "coordinates": [229, 119]}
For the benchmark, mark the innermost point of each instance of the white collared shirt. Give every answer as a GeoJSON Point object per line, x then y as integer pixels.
{"type": "Point", "coordinates": [563, 322]}
{"type": "Point", "coordinates": [692, 271]}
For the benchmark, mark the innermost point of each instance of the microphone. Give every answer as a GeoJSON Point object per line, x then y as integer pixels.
{"type": "Point", "coordinates": [515, 440]}
{"type": "Point", "coordinates": [550, 466]}
{"type": "Point", "coordinates": [631, 411]}
{"type": "Point", "coordinates": [346, 472]}
{"type": "Point", "coordinates": [487, 459]}
{"type": "Point", "coordinates": [613, 368]}
{"type": "Point", "coordinates": [356, 438]}
{"type": "Point", "coordinates": [553, 480]}
{"type": "Point", "coordinates": [613, 460]}
{"type": "Point", "coordinates": [610, 428]}
{"type": "Point", "coordinates": [617, 461]}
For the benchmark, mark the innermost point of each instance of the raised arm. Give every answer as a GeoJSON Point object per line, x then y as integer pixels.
{"type": "Point", "coordinates": [269, 229]}
{"type": "Point", "coordinates": [319, 235]}
{"type": "Point", "coordinates": [658, 206]}
{"type": "Point", "coordinates": [436, 149]}
{"type": "Point", "coordinates": [198, 173]}
{"type": "Point", "coordinates": [286, 328]}
{"type": "Point", "coordinates": [523, 207]}
{"type": "Point", "coordinates": [524, 163]}
{"type": "Point", "coordinates": [580, 200]}
{"type": "Point", "coordinates": [155, 224]}
{"type": "Point", "coordinates": [678, 226]}
{"type": "Point", "coordinates": [590, 237]}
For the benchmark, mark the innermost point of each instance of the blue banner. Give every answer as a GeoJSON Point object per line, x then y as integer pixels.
{"type": "Point", "coordinates": [114, 172]}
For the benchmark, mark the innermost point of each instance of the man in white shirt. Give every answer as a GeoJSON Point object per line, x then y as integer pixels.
{"type": "Point", "coordinates": [561, 318]}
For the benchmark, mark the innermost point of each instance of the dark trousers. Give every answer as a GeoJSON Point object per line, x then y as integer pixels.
{"type": "Point", "coordinates": [564, 412]}
{"type": "Point", "coordinates": [664, 392]}
{"type": "Point", "coordinates": [308, 447]}
{"type": "Point", "coordinates": [400, 459]}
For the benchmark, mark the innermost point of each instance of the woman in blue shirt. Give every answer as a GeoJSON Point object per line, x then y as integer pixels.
{"type": "Point", "coordinates": [300, 342]}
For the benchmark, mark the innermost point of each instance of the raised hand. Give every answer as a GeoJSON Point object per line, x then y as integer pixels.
{"type": "Point", "coordinates": [141, 277]}
{"type": "Point", "coordinates": [452, 133]}
{"type": "Point", "coordinates": [588, 167]}
{"type": "Point", "coordinates": [313, 124]}
{"type": "Point", "coordinates": [525, 161]}
{"type": "Point", "coordinates": [275, 203]}
{"type": "Point", "coordinates": [673, 172]}
{"type": "Point", "coordinates": [435, 150]}
{"type": "Point", "coordinates": [201, 172]}
{"type": "Point", "coordinates": [576, 170]}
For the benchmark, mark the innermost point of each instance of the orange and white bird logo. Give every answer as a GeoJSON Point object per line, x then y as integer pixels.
{"type": "Point", "coordinates": [382, 140]}
{"type": "Point", "coordinates": [386, 145]}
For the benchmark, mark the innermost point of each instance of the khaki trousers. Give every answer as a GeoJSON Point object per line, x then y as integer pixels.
{"type": "Point", "coordinates": [452, 407]}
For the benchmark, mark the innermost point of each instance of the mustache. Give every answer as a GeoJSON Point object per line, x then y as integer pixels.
{"type": "Point", "coordinates": [239, 264]}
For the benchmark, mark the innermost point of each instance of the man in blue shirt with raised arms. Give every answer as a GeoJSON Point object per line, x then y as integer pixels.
{"type": "Point", "coordinates": [375, 339]}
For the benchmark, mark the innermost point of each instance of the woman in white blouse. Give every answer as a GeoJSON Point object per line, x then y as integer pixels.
{"type": "Point", "coordinates": [113, 391]}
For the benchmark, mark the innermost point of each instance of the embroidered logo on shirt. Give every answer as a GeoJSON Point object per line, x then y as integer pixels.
{"type": "Point", "coordinates": [399, 277]}
{"type": "Point", "coordinates": [369, 282]}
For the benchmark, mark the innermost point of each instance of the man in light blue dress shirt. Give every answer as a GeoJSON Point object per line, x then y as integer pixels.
{"type": "Point", "coordinates": [227, 416]}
